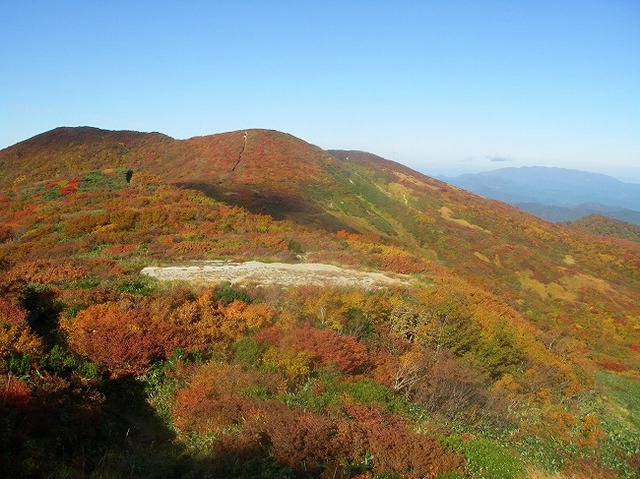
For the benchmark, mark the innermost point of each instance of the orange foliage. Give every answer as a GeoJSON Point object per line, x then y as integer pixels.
{"type": "Point", "coordinates": [16, 336]}
{"type": "Point", "coordinates": [84, 223]}
{"type": "Point", "coordinates": [123, 342]}
{"type": "Point", "coordinates": [48, 271]}
{"type": "Point", "coordinates": [590, 433]}
{"type": "Point", "coordinates": [323, 347]}
{"type": "Point", "coordinates": [15, 395]}
{"type": "Point", "coordinates": [206, 321]}
{"type": "Point", "coordinates": [213, 399]}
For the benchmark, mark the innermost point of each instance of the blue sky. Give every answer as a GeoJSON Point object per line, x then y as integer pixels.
{"type": "Point", "coordinates": [442, 86]}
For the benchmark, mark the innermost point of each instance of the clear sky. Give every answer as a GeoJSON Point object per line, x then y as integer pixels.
{"type": "Point", "coordinates": [443, 86]}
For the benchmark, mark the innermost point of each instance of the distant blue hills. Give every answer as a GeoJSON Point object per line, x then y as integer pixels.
{"type": "Point", "coordinates": [556, 194]}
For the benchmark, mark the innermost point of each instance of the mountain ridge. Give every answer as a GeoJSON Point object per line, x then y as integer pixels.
{"type": "Point", "coordinates": [504, 324]}
{"type": "Point", "coordinates": [605, 226]}
{"type": "Point", "coordinates": [288, 178]}
{"type": "Point", "coordinates": [482, 241]}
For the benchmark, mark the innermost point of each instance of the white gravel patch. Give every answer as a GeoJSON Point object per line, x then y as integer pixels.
{"type": "Point", "coordinates": [317, 274]}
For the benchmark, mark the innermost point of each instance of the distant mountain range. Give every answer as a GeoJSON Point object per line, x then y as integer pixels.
{"type": "Point", "coordinates": [556, 194]}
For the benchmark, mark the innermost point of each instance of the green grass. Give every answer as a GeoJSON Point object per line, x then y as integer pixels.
{"type": "Point", "coordinates": [625, 393]}
{"type": "Point", "coordinates": [619, 408]}
{"type": "Point", "coordinates": [327, 390]}
{"type": "Point", "coordinates": [486, 459]}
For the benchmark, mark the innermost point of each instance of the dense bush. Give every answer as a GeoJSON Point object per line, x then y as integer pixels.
{"type": "Point", "coordinates": [121, 341]}
{"type": "Point", "coordinates": [214, 398]}
{"type": "Point", "coordinates": [18, 343]}
{"type": "Point", "coordinates": [323, 347]}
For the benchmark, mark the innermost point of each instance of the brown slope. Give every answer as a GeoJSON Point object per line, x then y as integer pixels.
{"type": "Point", "coordinates": [66, 152]}
{"type": "Point", "coordinates": [246, 156]}
{"type": "Point", "coordinates": [263, 170]}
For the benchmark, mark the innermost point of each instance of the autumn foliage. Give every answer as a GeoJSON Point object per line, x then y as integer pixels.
{"type": "Point", "coordinates": [219, 396]}
{"type": "Point", "coordinates": [15, 395]}
{"type": "Point", "coordinates": [517, 332]}
{"type": "Point", "coordinates": [122, 341]}
{"type": "Point", "coordinates": [16, 337]}
{"type": "Point", "coordinates": [324, 347]}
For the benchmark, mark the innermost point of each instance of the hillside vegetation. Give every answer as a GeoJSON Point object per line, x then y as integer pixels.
{"type": "Point", "coordinates": [604, 226]}
{"type": "Point", "coordinates": [510, 347]}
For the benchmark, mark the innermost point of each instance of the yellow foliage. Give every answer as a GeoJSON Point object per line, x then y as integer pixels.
{"type": "Point", "coordinates": [538, 232]}
{"type": "Point", "coordinates": [610, 259]}
{"type": "Point", "coordinates": [447, 214]}
{"type": "Point", "coordinates": [188, 313]}
{"type": "Point", "coordinates": [19, 340]}
{"type": "Point", "coordinates": [546, 290]}
{"type": "Point", "coordinates": [257, 316]}
{"type": "Point", "coordinates": [295, 365]}
{"type": "Point", "coordinates": [590, 432]}
{"type": "Point", "coordinates": [286, 320]}
{"type": "Point", "coordinates": [19, 179]}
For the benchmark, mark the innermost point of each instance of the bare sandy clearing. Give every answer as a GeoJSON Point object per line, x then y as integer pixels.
{"type": "Point", "coordinates": [316, 274]}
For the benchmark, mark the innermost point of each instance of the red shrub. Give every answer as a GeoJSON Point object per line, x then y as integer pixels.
{"type": "Point", "coordinates": [325, 346]}
{"type": "Point", "coordinates": [214, 398]}
{"type": "Point", "coordinates": [71, 187]}
{"type": "Point", "coordinates": [11, 314]}
{"type": "Point", "coordinates": [15, 395]}
{"type": "Point", "coordinates": [396, 448]}
{"type": "Point", "coordinates": [300, 440]}
{"type": "Point", "coordinates": [16, 336]}
{"type": "Point", "coordinates": [613, 365]}
{"type": "Point", "coordinates": [123, 342]}
{"type": "Point", "coordinates": [587, 469]}
{"type": "Point", "coordinates": [312, 443]}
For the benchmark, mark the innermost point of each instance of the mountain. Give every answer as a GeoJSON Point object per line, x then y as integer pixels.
{"type": "Point", "coordinates": [496, 334]}
{"type": "Point", "coordinates": [275, 174]}
{"type": "Point", "coordinates": [605, 226]}
{"type": "Point", "coordinates": [570, 193]}
{"type": "Point", "coordinates": [572, 213]}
